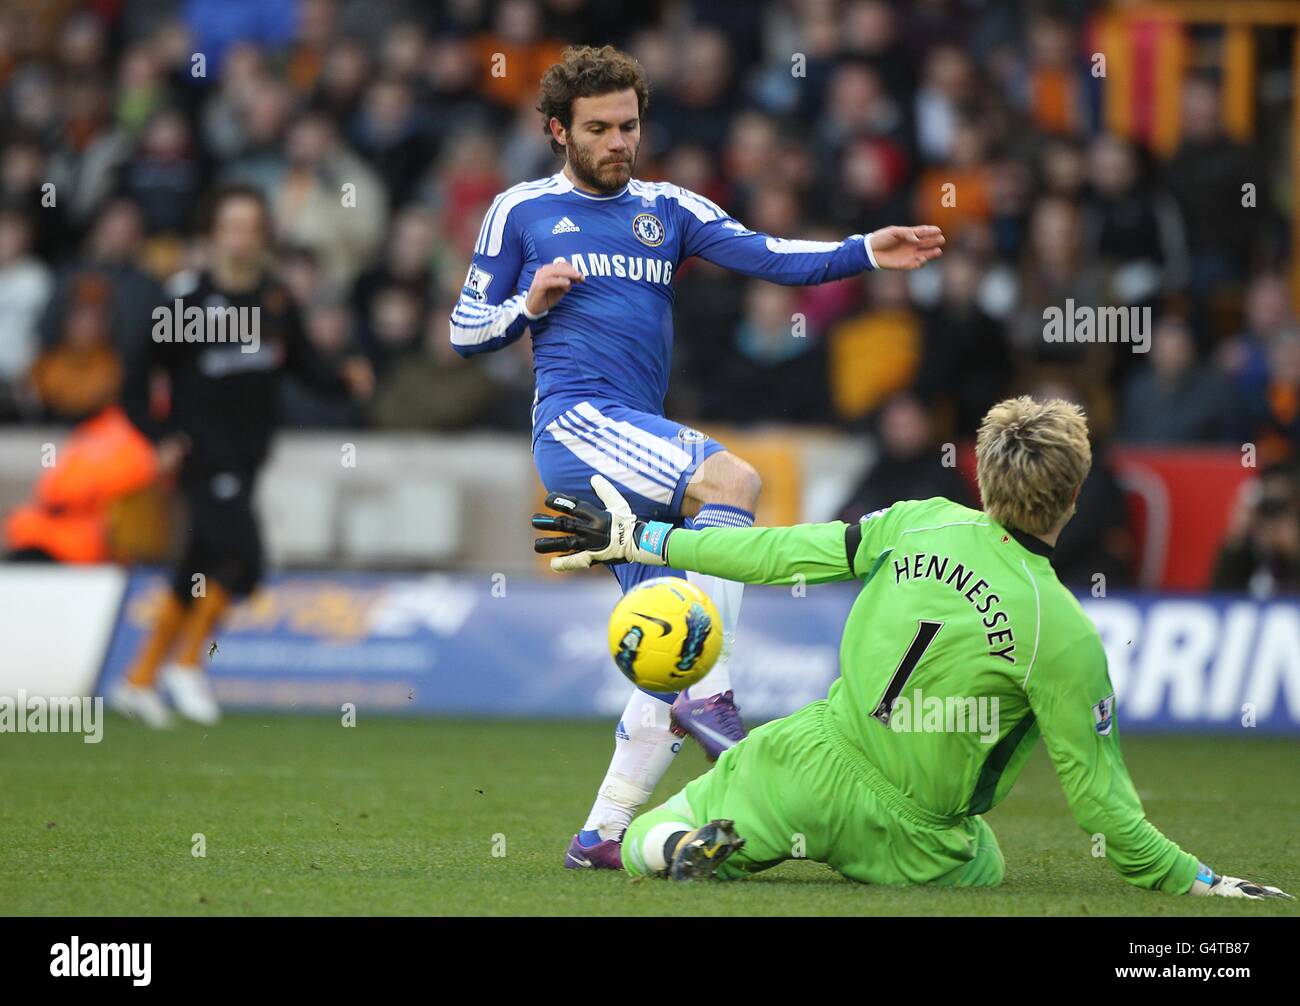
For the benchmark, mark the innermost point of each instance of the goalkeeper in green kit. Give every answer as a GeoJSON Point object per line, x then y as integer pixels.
{"type": "Point", "coordinates": [961, 649]}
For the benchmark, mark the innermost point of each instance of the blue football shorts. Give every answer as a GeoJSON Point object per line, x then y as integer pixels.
{"type": "Point", "coordinates": [648, 458]}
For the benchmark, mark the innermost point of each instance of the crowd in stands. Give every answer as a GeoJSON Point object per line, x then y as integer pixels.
{"type": "Point", "coordinates": [803, 118]}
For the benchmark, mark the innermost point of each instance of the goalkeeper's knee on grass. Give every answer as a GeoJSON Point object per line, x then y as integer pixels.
{"type": "Point", "coordinates": [664, 843]}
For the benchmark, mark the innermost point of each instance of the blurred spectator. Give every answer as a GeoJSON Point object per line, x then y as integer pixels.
{"type": "Point", "coordinates": [394, 326]}
{"type": "Point", "coordinates": [328, 328]}
{"type": "Point", "coordinates": [342, 83]}
{"type": "Point", "coordinates": [164, 177]}
{"type": "Point", "coordinates": [869, 193]}
{"type": "Point", "coordinates": [1055, 268]}
{"type": "Point", "coordinates": [857, 104]}
{"type": "Point", "coordinates": [25, 285]}
{"type": "Point", "coordinates": [1055, 87]}
{"type": "Point", "coordinates": [875, 353]}
{"type": "Point", "coordinates": [140, 89]}
{"type": "Point", "coordinates": [112, 251]}
{"type": "Point", "coordinates": [451, 77]}
{"type": "Point", "coordinates": [965, 363]}
{"type": "Point", "coordinates": [1273, 419]}
{"type": "Point", "coordinates": [466, 182]}
{"type": "Point", "coordinates": [317, 24]}
{"type": "Point", "coordinates": [514, 54]}
{"type": "Point", "coordinates": [959, 193]}
{"type": "Point", "coordinates": [434, 388]}
{"type": "Point", "coordinates": [710, 301]}
{"type": "Point", "coordinates": [82, 373]}
{"type": "Point", "coordinates": [34, 105]}
{"type": "Point", "coordinates": [1261, 553]}
{"type": "Point", "coordinates": [325, 198]}
{"type": "Point", "coordinates": [696, 104]}
{"type": "Point", "coordinates": [1064, 167]}
{"type": "Point", "coordinates": [870, 32]}
{"type": "Point", "coordinates": [777, 369]}
{"type": "Point", "coordinates": [1245, 356]}
{"type": "Point", "coordinates": [407, 261]}
{"type": "Point", "coordinates": [1097, 548]}
{"type": "Point", "coordinates": [911, 464]}
{"type": "Point", "coordinates": [746, 159]}
{"type": "Point", "coordinates": [1205, 175]}
{"type": "Point", "coordinates": [1175, 399]}
{"type": "Point", "coordinates": [947, 85]}
{"type": "Point", "coordinates": [24, 177]}
{"type": "Point", "coordinates": [300, 271]}
{"type": "Point", "coordinates": [247, 115]}
{"type": "Point", "coordinates": [1133, 227]}
{"type": "Point", "coordinates": [392, 134]}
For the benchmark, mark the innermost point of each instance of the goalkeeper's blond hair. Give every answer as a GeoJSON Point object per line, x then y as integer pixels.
{"type": "Point", "coordinates": [1031, 457]}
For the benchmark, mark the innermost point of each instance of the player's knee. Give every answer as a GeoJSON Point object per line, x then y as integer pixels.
{"type": "Point", "coordinates": [729, 479]}
{"type": "Point", "coordinates": [751, 483]}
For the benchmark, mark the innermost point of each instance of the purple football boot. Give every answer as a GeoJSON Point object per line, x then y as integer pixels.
{"type": "Point", "coordinates": [603, 855]}
{"type": "Point", "coordinates": [715, 722]}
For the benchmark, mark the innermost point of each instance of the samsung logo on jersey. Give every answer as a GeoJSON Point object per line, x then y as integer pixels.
{"type": "Point", "coordinates": [634, 267]}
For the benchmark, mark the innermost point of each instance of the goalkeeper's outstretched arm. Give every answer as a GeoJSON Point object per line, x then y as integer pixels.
{"type": "Point", "coordinates": [804, 553]}
{"type": "Point", "coordinates": [1073, 699]}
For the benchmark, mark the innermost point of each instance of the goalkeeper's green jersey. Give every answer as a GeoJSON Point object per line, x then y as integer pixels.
{"type": "Point", "coordinates": [961, 649]}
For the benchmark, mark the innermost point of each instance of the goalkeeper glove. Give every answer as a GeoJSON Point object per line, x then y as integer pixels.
{"type": "Point", "coordinates": [1209, 883]}
{"type": "Point", "coordinates": [594, 535]}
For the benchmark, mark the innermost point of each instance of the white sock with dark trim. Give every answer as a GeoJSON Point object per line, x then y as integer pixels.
{"type": "Point", "coordinates": [726, 595]}
{"type": "Point", "coordinates": [644, 747]}
{"type": "Point", "coordinates": [653, 845]}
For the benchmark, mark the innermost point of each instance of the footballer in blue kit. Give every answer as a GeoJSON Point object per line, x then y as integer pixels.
{"type": "Point", "coordinates": [584, 260]}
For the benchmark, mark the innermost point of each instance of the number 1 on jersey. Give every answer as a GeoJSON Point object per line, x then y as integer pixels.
{"type": "Point", "coordinates": [926, 630]}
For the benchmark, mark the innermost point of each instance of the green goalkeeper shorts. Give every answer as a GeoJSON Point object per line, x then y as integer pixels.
{"type": "Point", "coordinates": [797, 789]}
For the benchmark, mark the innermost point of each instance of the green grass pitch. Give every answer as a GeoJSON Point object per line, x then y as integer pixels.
{"type": "Point", "coordinates": [408, 816]}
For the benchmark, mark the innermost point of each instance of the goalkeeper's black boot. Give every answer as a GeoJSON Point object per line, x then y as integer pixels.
{"type": "Point", "coordinates": [699, 853]}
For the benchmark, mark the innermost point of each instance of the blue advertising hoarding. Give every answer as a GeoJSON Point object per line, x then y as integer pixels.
{"type": "Point", "coordinates": [491, 645]}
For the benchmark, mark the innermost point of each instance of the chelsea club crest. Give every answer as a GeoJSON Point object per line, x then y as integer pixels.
{"type": "Point", "coordinates": [648, 229]}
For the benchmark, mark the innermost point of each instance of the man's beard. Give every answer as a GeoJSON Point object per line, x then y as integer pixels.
{"type": "Point", "coordinates": [599, 176]}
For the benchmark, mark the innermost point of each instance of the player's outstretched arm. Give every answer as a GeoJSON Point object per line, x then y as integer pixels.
{"type": "Point", "coordinates": [809, 553]}
{"type": "Point", "coordinates": [1070, 692]}
{"type": "Point", "coordinates": [712, 234]}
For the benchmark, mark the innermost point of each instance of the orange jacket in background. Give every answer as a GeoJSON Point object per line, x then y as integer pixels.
{"type": "Point", "coordinates": [104, 459]}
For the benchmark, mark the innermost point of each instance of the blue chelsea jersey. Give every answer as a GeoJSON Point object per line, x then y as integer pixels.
{"type": "Point", "coordinates": [611, 336]}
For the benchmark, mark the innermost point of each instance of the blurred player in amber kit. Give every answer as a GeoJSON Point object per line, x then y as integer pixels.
{"type": "Point", "coordinates": [212, 438]}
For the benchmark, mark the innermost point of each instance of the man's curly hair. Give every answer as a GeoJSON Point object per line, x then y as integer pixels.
{"type": "Point", "coordinates": [585, 71]}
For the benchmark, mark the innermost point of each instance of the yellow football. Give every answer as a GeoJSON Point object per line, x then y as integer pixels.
{"type": "Point", "coordinates": [665, 634]}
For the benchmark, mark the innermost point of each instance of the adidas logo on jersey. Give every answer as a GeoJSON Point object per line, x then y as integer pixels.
{"type": "Point", "coordinates": [565, 226]}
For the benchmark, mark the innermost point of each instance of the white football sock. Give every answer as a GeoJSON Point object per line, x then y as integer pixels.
{"type": "Point", "coordinates": [726, 595]}
{"type": "Point", "coordinates": [652, 845]}
{"type": "Point", "coordinates": [644, 747]}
